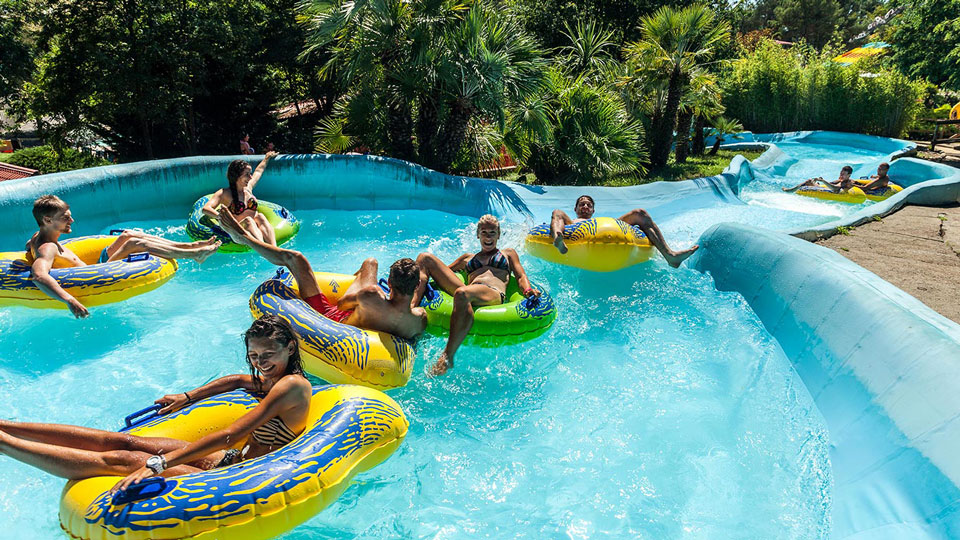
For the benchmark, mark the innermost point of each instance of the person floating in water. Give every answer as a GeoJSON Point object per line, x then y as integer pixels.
{"type": "Point", "coordinates": [238, 197]}
{"type": "Point", "coordinates": [364, 303]}
{"type": "Point", "coordinates": [276, 379]}
{"type": "Point", "coordinates": [54, 219]}
{"type": "Point", "coordinates": [488, 272]}
{"type": "Point", "coordinates": [879, 180]}
{"type": "Point", "coordinates": [638, 216]}
{"type": "Point", "coordinates": [843, 183]}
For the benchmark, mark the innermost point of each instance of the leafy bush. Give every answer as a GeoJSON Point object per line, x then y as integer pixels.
{"type": "Point", "coordinates": [47, 160]}
{"type": "Point", "coordinates": [773, 89]}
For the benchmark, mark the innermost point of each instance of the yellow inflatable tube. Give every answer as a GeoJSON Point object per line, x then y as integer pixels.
{"type": "Point", "coordinates": [853, 195]}
{"type": "Point", "coordinates": [93, 285]}
{"type": "Point", "coordinates": [879, 194]}
{"type": "Point", "coordinates": [350, 429]}
{"type": "Point", "coordinates": [600, 244]}
{"type": "Point", "coordinates": [335, 352]}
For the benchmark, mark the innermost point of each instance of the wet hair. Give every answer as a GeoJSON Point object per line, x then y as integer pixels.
{"type": "Point", "coordinates": [48, 206]}
{"type": "Point", "coordinates": [234, 171]}
{"type": "Point", "coordinates": [847, 169]}
{"type": "Point", "coordinates": [276, 329]}
{"type": "Point", "coordinates": [589, 198]}
{"type": "Point", "coordinates": [885, 165]}
{"type": "Point", "coordinates": [488, 219]}
{"type": "Point", "coordinates": [404, 276]}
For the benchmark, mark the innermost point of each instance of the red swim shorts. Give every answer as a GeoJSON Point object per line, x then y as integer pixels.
{"type": "Point", "coordinates": [323, 306]}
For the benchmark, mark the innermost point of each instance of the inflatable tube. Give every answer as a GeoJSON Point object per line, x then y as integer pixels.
{"type": "Point", "coordinates": [93, 285]}
{"type": "Point", "coordinates": [200, 227]}
{"type": "Point", "coordinates": [854, 195]}
{"type": "Point", "coordinates": [350, 429]}
{"type": "Point", "coordinates": [516, 320]}
{"type": "Point", "coordinates": [879, 194]}
{"type": "Point", "coordinates": [335, 352]}
{"type": "Point", "coordinates": [600, 244]}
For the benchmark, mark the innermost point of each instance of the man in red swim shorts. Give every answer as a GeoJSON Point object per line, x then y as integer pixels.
{"type": "Point", "coordinates": [364, 304]}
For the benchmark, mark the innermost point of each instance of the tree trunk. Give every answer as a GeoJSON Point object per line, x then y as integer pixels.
{"type": "Point", "coordinates": [662, 131]}
{"type": "Point", "coordinates": [683, 135]}
{"type": "Point", "coordinates": [716, 146]}
{"type": "Point", "coordinates": [427, 125]}
{"type": "Point", "coordinates": [452, 134]}
{"type": "Point", "coordinates": [400, 129]}
{"type": "Point", "coordinates": [699, 141]}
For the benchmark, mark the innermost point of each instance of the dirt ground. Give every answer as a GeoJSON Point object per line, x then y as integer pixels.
{"type": "Point", "coordinates": [917, 249]}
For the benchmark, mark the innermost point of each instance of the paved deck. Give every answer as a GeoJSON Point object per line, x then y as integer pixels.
{"type": "Point", "coordinates": [917, 249]}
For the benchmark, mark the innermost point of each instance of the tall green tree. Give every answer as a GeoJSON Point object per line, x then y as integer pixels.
{"type": "Point", "coordinates": [674, 43]}
{"type": "Point", "coordinates": [16, 50]}
{"type": "Point", "coordinates": [814, 21]}
{"type": "Point", "coordinates": [926, 41]}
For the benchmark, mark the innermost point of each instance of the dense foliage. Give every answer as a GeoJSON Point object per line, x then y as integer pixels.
{"type": "Point", "coordinates": [47, 160]}
{"type": "Point", "coordinates": [928, 33]}
{"type": "Point", "coordinates": [16, 51]}
{"type": "Point", "coordinates": [774, 89]}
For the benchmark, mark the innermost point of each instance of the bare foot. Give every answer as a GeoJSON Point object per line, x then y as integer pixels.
{"type": "Point", "coordinates": [558, 243]}
{"type": "Point", "coordinates": [675, 258]}
{"type": "Point", "coordinates": [441, 367]}
{"type": "Point", "coordinates": [206, 251]}
{"type": "Point", "coordinates": [231, 226]}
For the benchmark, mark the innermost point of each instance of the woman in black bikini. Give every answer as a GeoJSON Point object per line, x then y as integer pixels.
{"type": "Point", "coordinates": [488, 272]}
{"type": "Point", "coordinates": [238, 197]}
{"type": "Point", "coordinates": [75, 453]}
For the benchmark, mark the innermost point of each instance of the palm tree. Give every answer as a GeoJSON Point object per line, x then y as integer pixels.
{"type": "Point", "coordinates": [589, 51]}
{"type": "Point", "coordinates": [723, 127]}
{"type": "Point", "coordinates": [701, 99]}
{"type": "Point", "coordinates": [675, 42]}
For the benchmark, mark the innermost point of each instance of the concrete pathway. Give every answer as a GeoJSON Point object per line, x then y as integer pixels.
{"type": "Point", "coordinates": [917, 249]}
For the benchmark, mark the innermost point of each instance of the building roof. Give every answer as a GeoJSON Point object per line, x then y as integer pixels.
{"type": "Point", "coordinates": [12, 172]}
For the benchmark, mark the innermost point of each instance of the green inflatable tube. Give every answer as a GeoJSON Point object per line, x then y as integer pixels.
{"type": "Point", "coordinates": [201, 227]}
{"type": "Point", "coordinates": [516, 320]}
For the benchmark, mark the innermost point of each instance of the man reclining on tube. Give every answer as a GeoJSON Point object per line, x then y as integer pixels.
{"type": "Point", "coordinates": [844, 183]}
{"type": "Point", "coordinates": [54, 218]}
{"type": "Point", "coordinates": [638, 216]}
{"type": "Point", "coordinates": [879, 180]}
{"type": "Point", "coordinates": [363, 304]}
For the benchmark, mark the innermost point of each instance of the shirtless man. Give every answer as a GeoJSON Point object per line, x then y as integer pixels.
{"type": "Point", "coordinates": [54, 218]}
{"type": "Point", "coordinates": [363, 304]}
{"type": "Point", "coordinates": [637, 216]}
{"type": "Point", "coordinates": [879, 180]}
{"type": "Point", "coordinates": [843, 183]}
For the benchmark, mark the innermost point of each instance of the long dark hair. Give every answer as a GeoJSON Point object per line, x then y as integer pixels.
{"type": "Point", "coordinates": [276, 329]}
{"type": "Point", "coordinates": [234, 171]}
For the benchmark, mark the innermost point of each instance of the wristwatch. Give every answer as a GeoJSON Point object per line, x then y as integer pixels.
{"type": "Point", "coordinates": [157, 464]}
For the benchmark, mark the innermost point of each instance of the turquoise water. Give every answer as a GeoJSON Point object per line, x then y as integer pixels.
{"type": "Point", "coordinates": [657, 407]}
{"type": "Point", "coordinates": [767, 205]}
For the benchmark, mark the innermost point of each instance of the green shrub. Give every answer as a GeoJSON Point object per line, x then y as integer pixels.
{"type": "Point", "coordinates": [773, 89]}
{"type": "Point", "coordinates": [47, 160]}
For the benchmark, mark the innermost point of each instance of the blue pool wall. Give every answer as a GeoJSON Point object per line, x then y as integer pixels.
{"type": "Point", "coordinates": [891, 425]}
{"type": "Point", "coordinates": [881, 366]}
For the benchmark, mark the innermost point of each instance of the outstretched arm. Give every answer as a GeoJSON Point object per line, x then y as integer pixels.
{"type": "Point", "coordinates": [282, 397]}
{"type": "Point", "coordinates": [45, 282]}
{"type": "Point", "coordinates": [255, 177]}
{"type": "Point", "coordinates": [175, 402]}
{"type": "Point", "coordinates": [520, 273]}
{"type": "Point", "coordinates": [298, 265]}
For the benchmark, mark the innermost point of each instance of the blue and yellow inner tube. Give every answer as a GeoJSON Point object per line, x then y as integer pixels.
{"type": "Point", "coordinates": [600, 244]}
{"type": "Point", "coordinates": [853, 195]}
{"type": "Point", "coordinates": [93, 285]}
{"type": "Point", "coordinates": [333, 351]}
{"type": "Point", "coordinates": [879, 194]}
{"type": "Point", "coordinates": [350, 429]}
{"type": "Point", "coordinates": [200, 227]}
{"type": "Point", "coordinates": [516, 320]}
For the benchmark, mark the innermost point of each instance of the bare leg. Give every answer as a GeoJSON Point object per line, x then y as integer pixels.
{"type": "Point", "coordinates": [808, 182]}
{"type": "Point", "coordinates": [298, 265]}
{"type": "Point", "coordinates": [162, 249]}
{"type": "Point", "coordinates": [558, 220]}
{"type": "Point", "coordinates": [366, 276]}
{"type": "Point", "coordinates": [250, 225]}
{"type": "Point", "coordinates": [266, 229]}
{"type": "Point", "coordinates": [461, 320]}
{"type": "Point", "coordinates": [84, 438]}
{"type": "Point", "coordinates": [642, 219]}
{"type": "Point", "coordinates": [432, 267]}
